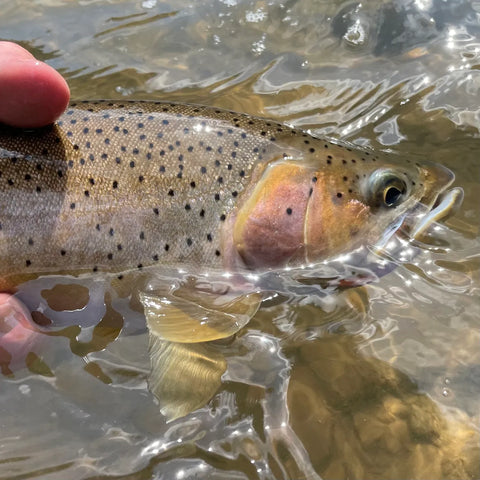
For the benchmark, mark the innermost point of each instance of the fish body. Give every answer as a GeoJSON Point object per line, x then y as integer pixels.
{"type": "Point", "coordinates": [116, 186]}
{"type": "Point", "coordinates": [119, 187]}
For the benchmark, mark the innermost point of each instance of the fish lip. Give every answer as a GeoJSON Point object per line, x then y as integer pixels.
{"type": "Point", "coordinates": [445, 204]}
{"type": "Point", "coordinates": [436, 179]}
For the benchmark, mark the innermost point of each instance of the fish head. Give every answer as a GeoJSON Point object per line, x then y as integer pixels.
{"type": "Point", "coordinates": [303, 212]}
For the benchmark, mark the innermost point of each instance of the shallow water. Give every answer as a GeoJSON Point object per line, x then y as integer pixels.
{"type": "Point", "coordinates": [380, 382]}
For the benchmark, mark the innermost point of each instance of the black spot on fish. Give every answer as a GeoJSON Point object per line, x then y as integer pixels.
{"type": "Point", "coordinates": [242, 173]}
{"type": "Point", "coordinates": [87, 193]}
{"type": "Point", "coordinates": [140, 125]}
{"type": "Point", "coordinates": [72, 205]}
{"type": "Point", "coordinates": [171, 192]}
{"type": "Point", "coordinates": [188, 207]}
{"type": "Point", "coordinates": [339, 195]}
{"type": "Point", "coordinates": [155, 258]}
{"type": "Point", "coordinates": [222, 217]}
{"type": "Point", "coordinates": [202, 212]}
{"type": "Point", "coordinates": [38, 189]}
{"type": "Point", "coordinates": [27, 177]}
{"type": "Point", "coordinates": [289, 211]}
{"type": "Point", "coordinates": [142, 235]}
{"type": "Point", "coordinates": [85, 130]}
{"type": "Point", "coordinates": [30, 241]}
{"type": "Point", "coordinates": [189, 242]}
{"type": "Point", "coordinates": [156, 211]}
{"type": "Point", "coordinates": [141, 178]}
{"type": "Point", "coordinates": [167, 247]}
{"type": "Point", "coordinates": [111, 232]}
{"type": "Point", "coordinates": [217, 197]}
{"type": "Point", "coordinates": [217, 253]}
{"type": "Point", "coordinates": [209, 237]}
{"type": "Point", "coordinates": [132, 164]}
{"type": "Point", "coordinates": [63, 253]}
{"type": "Point", "coordinates": [110, 256]}
{"type": "Point", "coordinates": [28, 263]}
{"type": "Point", "coordinates": [234, 193]}
{"type": "Point", "coordinates": [192, 184]}
{"type": "Point", "coordinates": [203, 170]}
{"type": "Point", "coordinates": [97, 226]}
{"type": "Point", "coordinates": [119, 247]}
{"type": "Point", "coordinates": [162, 168]}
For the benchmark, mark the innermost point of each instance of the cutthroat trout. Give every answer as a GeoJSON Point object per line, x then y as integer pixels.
{"type": "Point", "coordinates": [117, 186]}
{"type": "Point", "coordinates": [114, 187]}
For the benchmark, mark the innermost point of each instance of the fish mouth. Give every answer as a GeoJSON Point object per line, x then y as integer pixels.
{"type": "Point", "coordinates": [438, 202]}
{"type": "Point", "coordinates": [445, 205]}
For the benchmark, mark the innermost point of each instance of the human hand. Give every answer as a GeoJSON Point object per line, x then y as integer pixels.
{"type": "Point", "coordinates": [32, 94]}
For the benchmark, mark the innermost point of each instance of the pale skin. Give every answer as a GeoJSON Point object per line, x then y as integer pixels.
{"type": "Point", "coordinates": [32, 95]}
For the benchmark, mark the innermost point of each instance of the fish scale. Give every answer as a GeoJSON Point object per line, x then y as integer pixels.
{"type": "Point", "coordinates": [105, 163]}
{"type": "Point", "coordinates": [116, 186]}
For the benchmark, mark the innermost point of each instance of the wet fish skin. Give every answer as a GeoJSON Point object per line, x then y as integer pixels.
{"type": "Point", "coordinates": [115, 186]}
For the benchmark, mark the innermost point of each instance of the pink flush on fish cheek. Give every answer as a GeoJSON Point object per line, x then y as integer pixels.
{"type": "Point", "coordinates": [268, 231]}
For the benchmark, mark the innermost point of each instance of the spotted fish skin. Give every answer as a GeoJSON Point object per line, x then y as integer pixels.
{"type": "Point", "coordinates": [115, 186]}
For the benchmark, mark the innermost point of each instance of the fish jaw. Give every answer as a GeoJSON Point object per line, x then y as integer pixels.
{"type": "Point", "coordinates": [438, 202]}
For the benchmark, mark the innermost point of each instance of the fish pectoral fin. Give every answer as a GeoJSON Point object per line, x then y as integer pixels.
{"type": "Point", "coordinates": [185, 316]}
{"type": "Point", "coordinates": [184, 376]}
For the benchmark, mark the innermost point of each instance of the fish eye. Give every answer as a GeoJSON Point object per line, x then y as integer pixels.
{"type": "Point", "coordinates": [387, 188]}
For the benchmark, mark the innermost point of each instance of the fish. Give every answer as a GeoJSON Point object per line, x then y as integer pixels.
{"type": "Point", "coordinates": [115, 187]}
